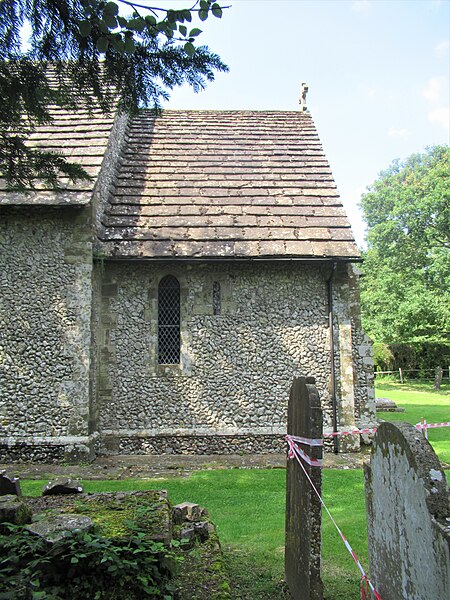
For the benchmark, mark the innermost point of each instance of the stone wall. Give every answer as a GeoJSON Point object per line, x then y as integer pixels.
{"type": "Point", "coordinates": [78, 349]}
{"type": "Point", "coordinates": [236, 367]}
{"type": "Point", "coordinates": [45, 312]}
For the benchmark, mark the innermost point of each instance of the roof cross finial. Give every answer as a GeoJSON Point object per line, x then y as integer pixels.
{"type": "Point", "coordinates": [304, 91]}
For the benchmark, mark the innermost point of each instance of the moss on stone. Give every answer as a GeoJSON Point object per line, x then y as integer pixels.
{"type": "Point", "coordinates": [118, 515]}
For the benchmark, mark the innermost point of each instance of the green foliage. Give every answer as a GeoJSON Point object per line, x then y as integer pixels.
{"type": "Point", "coordinates": [420, 357]}
{"type": "Point", "coordinates": [83, 565]}
{"type": "Point", "coordinates": [83, 53]}
{"type": "Point", "coordinates": [405, 291]}
{"type": "Point", "coordinates": [383, 359]}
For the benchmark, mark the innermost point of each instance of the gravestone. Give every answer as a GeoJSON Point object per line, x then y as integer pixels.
{"type": "Point", "coordinates": [407, 516]}
{"type": "Point", "coordinates": [62, 485]}
{"type": "Point", "coordinates": [9, 485]}
{"type": "Point", "coordinates": [303, 508]}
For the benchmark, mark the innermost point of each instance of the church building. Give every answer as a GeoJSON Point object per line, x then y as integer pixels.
{"type": "Point", "coordinates": [166, 305]}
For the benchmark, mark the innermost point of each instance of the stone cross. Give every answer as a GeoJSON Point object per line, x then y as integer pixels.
{"type": "Point", "coordinates": [302, 101]}
{"type": "Point", "coordinates": [303, 508]}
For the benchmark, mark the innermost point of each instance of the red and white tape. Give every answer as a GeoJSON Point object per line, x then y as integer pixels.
{"type": "Point", "coordinates": [307, 441]}
{"type": "Point", "coordinates": [432, 425]}
{"type": "Point", "coordinates": [295, 450]}
{"type": "Point", "coordinates": [298, 454]}
{"type": "Point", "coordinates": [419, 426]}
{"type": "Point", "coordinates": [350, 432]}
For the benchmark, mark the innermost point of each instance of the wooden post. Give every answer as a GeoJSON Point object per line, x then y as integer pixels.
{"type": "Point", "coordinates": [438, 378]}
{"type": "Point", "coordinates": [303, 508]}
{"type": "Point", "coordinates": [401, 374]}
{"type": "Point", "coordinates": [424, 431]}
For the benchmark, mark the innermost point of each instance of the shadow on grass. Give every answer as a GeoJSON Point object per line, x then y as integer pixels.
{"type": "Point", "coordinates": [418, 385]}
{"type": "Point", "coordinates": [251, 579]}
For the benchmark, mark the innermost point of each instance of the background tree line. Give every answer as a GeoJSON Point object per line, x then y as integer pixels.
{"type": "Point", "coordinates": [405, 288]}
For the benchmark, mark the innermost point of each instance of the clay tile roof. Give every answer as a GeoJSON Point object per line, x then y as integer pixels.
{"type": "Point", "coordinates": [80, 136]}
{"type": "Point", "coordinates": [224, 184]}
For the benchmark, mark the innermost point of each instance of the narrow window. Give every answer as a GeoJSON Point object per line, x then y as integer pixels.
{"type": "Point", "coordinates": [216, 298]}
{"type": "Point", "coordinates": [169, 321]}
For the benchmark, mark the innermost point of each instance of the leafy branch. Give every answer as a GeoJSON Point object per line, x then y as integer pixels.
{"type": "Point", "coordinates": [84, 54]}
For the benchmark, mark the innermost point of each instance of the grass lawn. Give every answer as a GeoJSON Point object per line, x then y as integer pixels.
{"type": "Point", "coordinates": [248, 506]}
{"type": "Point", "coordinates": [420, 400]}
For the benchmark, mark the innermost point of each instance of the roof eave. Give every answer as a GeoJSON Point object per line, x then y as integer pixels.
{"type": "Point", "coordinates": [217, 259]}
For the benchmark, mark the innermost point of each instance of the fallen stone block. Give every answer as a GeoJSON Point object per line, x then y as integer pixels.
{"type": "Point", "coordinates": [203, 529]}
{"type": "Point", "coordinates": [54, 528]}
{"type": "Point", "coordinates": [13, 510]}
{"type": "Point", "coordinates": [188, 511]}
{"type": "Point", "coordinates": [187, 536]}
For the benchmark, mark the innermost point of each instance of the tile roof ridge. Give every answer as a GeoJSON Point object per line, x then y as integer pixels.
{"type": "Point", "coordinates": [224, 110]}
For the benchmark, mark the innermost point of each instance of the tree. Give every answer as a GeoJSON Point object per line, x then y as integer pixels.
{"type": "Point", "coordinates": [405, 290]}
{"type": "Point", "coordinates": [84, 53]}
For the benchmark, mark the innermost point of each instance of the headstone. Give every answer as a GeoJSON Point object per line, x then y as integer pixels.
{"type": "Point", "coordinates": [62, 485]}
{"type": "Point", "coordinates": [303, 508]}
{"type": "Point", "coordinates": [407, 516]}
{"type": "Point", "coordinates": [9, 485]}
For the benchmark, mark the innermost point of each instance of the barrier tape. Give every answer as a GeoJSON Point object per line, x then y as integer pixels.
{"type": "Point", "coordinates": [374, 429]}
{"type": "Point", "coordinates": [432, 425]}
{"type": "Point", "coordinates": [296, 452]}
{"type": "Point", "coordinates": [307, 441]}
{"type": "Point", "coordinates": [294, 449]}
{"type": "Point", "coordinates": [352, 432]}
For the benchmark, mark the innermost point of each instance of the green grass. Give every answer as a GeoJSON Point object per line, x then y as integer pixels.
{"type": "Point", "coordinates": [248, 507]}
{"type": "Point", "coordinates": [419, 399]}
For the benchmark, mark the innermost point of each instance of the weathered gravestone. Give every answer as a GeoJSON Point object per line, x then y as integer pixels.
{"type": "Point", "coordinates": [407, 516]}
{"type": "Point", "coordinates": [303, 508]}
{"type": "Point", "coordinates": [9, 485]}
{"type": "Point", "coordinates": [62, 485]}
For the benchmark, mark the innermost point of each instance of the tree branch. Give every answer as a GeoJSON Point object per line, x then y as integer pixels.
{"type": "Point", "coordinates": [155, 9]}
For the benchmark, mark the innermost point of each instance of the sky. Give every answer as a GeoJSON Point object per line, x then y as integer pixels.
{"type": "Point", "coordinates": [378, 76]}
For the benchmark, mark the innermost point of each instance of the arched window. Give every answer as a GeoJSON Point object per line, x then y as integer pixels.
{"type": "Point", "coordinates": [169, 321]}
